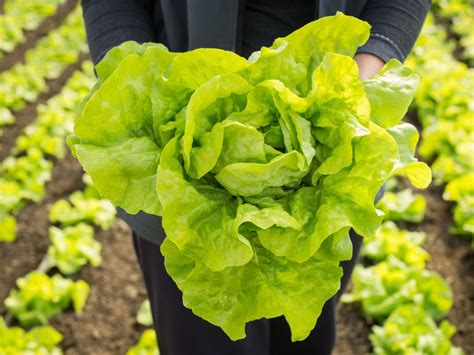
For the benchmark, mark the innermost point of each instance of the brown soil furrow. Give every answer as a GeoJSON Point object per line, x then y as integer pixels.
{"type": "Point", "coordinates": [352, 331]}
{"type": "Point", "coordinates": [27, 115]}
{"type": "Point", "coordinates": [452, 257]}
{"type": "Point", "coordinates": [24, 255]}
{"type": "Point", "coordinates": [107, 324]}
{"type": "Point", "coordinates": [48, 24]}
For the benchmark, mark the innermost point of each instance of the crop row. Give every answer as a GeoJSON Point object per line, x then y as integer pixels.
{"type": "Point", "coordinates": [23, 177]}
{"type": "Point", "coordinates": [52, 54]}
{"type": "Point", "coordinates": [21, 16]}
{"type": "Point", "coordinates": [397, 291]}
{"type": "Point", "coordinates": [446, 112]}
{"type": "Point", "coordinates": [24, 174]}
{"type": "Point", "coordinates": [73, 223]}
{"type": "Point", "coordinates": [39, 295]}
{"type": "Point", "coordinates": [460, 14]}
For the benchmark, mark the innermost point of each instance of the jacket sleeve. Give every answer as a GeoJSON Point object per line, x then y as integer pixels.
{"type": "Point", "coordinates": [396, 25]}
{"type": "Point", "coordinates": [111, 22]}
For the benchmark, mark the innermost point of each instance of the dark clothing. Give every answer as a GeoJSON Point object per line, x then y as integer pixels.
{"type": "Point", "coordinates": [243, 26]}
{"type": "Point", "coordinates": [180, 332]}
{"type": "Point", "coordinates": [188, 24]}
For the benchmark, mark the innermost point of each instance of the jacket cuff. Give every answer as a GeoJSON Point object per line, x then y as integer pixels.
{"type": "Point", "coordinates": [382, 47]}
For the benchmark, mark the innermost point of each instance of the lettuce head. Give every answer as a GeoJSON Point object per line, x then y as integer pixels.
{"type": "Point", "coordinates": [259, 167]}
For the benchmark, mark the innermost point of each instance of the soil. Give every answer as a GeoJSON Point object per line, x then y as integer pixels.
{"type": "Point", "coordinates": [352, 331]}
{"type": "Point", "coordinates": [107, 324]}
{"type": "Point", "coordinates": [28, 114]}
{"type": "Point", "coordinates": [48, 24]}
{"type": "Point", "coordinates": [453, 258]}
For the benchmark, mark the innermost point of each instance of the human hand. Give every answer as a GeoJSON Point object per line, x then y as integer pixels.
{"type": "Point", "coordinates": [369, 65]}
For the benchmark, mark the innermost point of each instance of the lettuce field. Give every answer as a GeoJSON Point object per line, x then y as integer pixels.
{"type": "Point", "coordinates": [69, 279]}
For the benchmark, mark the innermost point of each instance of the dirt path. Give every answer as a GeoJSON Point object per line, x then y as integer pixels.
{"type": "Point", "coordinates": [453, 258]}
{"type": "Point", "coordinates": [48, 24]}
{"type": "Point", "coordinates": [107, 324]}
{"type": "Point", "coordinates": [352, 331]}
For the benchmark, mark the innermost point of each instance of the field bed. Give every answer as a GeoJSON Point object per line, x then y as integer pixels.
{"type": "Point", "coordinates": [107, 324]}
{"type": "Point", "coordinates": [453, 258]}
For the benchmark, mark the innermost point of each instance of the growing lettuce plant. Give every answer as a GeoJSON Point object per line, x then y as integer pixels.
{"type": "Point", "coordinates": [403, 206]}
{"type": "Point", "coordinates": [383, 287]}
{"type": "Point", "coordinates": [411, 330]}
{"type": "Point", "coordinates": [7, 227]}
{"type": "Point", "coordinates": [40, 297]}
{"type": "Point", "coordinates": [73, 247]}
{"type": "Point", "coordinates": [147, 344]}
{"type": "Point", "coordinates": [259, 167]}
{"type": "Point", "coordinates": [403, 244]}
{"type": "Point", "coordinates": [82, 208]}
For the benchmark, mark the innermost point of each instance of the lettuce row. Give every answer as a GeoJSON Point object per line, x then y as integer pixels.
{"type": "Point", "coordinates": [446, 114]}
{"type": "Point", "coordinates": [398, 290]}
{"type": "Point", "coordinates": [52, 54]}
{"type": "Point", "coordinates": [24, 174]}
{"type": "Point", "coordinates": [258, 167]}
{"type": "Point", "coordinates": [21, 16]}
{"type": "Point", "coordinates": [460, 14]}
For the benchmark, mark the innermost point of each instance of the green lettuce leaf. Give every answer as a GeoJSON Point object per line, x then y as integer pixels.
{"type": "Point", "coordinates": [267, 286]}
{"type": "Point", "coordinates": [208, 233]}
{"type": "Point", "coordinates": [390, 93]}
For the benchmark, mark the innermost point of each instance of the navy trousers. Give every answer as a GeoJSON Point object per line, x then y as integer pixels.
{"type": "Point", "coordinates": [180, 332]}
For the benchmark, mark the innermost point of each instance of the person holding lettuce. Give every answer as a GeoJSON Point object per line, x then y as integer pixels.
{"type": "Point", "coordinates": [243, 27]}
